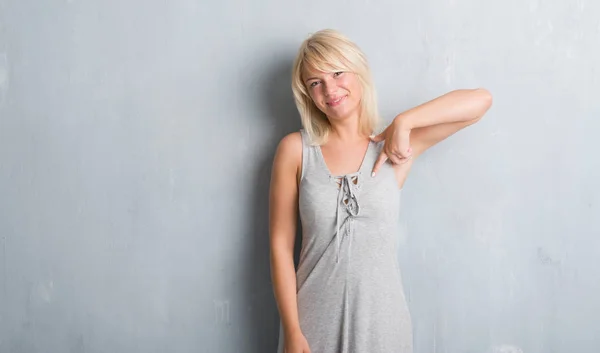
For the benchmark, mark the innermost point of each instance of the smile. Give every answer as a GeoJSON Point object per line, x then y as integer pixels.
{"type": "Point", "coordinates": [336, 102]}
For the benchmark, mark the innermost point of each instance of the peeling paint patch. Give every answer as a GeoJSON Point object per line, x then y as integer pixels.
{"type": "Point", "coordinates": [545, 259]}
{"type": "Point", "coordinates": [4, 74]}
{"type": "Point", "coordinates": [505, 348]}
{"type": "Point", "coordinates": [533, 6]}
{"type": "Point", "coordinates": [222, 315]}
{"type": "Point", "coordinates": [45, 290]}
{"type": "Point", "coordinates": [450, 60]}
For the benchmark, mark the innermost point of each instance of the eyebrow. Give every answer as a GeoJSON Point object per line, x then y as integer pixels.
{"type": "Point", "coordinates": [316, 78]}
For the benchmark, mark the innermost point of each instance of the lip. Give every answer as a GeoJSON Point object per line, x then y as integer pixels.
{"type": "Point", "coordinates": [336, 102]}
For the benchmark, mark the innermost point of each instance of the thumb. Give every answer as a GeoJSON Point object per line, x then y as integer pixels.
{"type": "Point", "coordinates": [379, 137]}
{"type": "Point", "coordinates": [380, 161]}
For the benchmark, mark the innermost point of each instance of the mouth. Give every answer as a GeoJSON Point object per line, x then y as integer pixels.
{"type": "Point", "coordinates": [336, 102]}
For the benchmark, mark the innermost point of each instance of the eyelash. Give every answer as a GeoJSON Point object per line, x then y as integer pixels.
{"type": "Point", "coordinates": [335, 74]}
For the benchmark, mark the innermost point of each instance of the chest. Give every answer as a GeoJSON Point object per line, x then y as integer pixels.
{"type": "Point", "coordinates": [344, 160]}
{"type": "Point", "coordinates": [322, 196]}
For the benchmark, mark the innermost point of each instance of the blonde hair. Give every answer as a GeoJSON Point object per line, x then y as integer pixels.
{"type": "Point", "coordinates": [329, 51]}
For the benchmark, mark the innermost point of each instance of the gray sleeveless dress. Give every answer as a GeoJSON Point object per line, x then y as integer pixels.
{"type": "Point", "coordinates": [349, 288]}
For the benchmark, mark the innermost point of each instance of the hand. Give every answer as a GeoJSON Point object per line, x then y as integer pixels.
{"type": "Point", "coordinates": [396, 147]}
{"type": "Point", "coordinates": [296, 343]}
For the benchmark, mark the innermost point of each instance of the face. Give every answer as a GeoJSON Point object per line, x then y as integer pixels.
{"type": "Point", "coordinates": [336, 94]}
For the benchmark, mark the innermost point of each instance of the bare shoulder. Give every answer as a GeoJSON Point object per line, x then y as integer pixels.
{"type": "Point", "coordinates": [289, 153]}
{"type": "Point", "coordinates": [290, 147]}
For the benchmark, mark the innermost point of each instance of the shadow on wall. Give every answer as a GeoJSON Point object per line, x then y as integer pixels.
{"type": "Point", "coordinates": [277, 107]}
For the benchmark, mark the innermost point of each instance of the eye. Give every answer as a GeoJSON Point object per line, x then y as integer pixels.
{"type": "Point", "coordinates": [336, 74]}
{"type": "Point", "coordinates": [314, 83]}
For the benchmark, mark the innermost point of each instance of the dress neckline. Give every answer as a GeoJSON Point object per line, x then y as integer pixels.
{"type": "Point", "coordinates": [360, 168]}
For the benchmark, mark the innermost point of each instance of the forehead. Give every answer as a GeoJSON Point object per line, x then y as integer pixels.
{"type": "Point", "coordinates": [309, 71]}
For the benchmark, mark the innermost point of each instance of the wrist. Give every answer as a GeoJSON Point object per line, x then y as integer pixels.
{"type": "Point", "coordinates": [292, 331]}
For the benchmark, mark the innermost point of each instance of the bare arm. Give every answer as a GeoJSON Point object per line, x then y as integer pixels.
{"type": "Point", "coordinates": [434, 121]}
{"type": "Point", "coordinates": [283, 210]}
{"type": "Point", "coordinates": [429, 123]}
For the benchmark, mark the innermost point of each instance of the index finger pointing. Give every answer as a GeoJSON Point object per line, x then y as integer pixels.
{"type": "Point", "coordinates": [380, 160]}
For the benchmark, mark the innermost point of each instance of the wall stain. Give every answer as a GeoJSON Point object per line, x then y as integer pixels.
{"type": "Point", "coordinates": [4, 74]}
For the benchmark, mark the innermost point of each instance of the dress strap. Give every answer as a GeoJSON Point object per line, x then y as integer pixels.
{"type": "Point", "coordinates": [306, 153]}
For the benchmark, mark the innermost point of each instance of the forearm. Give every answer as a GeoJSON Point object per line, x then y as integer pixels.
{"type": "Point", "coordinates": [455, 106]}
{"type": "Point", "coordinates": [283, 276]}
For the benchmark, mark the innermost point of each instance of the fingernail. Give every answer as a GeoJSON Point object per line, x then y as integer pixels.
{"type": "Point", "coordinates": [372, 174]}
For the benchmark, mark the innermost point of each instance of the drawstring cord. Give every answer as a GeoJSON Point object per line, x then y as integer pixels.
{"type": "Point", "coordinates": [348, 201]}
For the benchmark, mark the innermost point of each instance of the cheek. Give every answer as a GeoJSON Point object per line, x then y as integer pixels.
{"type": "Point", "coordinates": [353, 86]}
{"type": "Point", "coordinates": [357, 87]}
{"type": "Point", "coordinates": [317, 96]}
{"type": "Point", "coordinates": [356, 91]}
{"type": "Point", "coordinates": [317, 100]}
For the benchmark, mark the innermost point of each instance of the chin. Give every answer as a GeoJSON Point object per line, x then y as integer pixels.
{"type": "Point", "coordinates": [341, 114]}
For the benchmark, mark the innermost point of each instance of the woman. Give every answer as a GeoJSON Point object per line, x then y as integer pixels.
{"type": "Point", "coordinates": [347, 294]}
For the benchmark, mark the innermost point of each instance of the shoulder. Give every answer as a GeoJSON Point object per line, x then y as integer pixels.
{"type": "Point", "coordinates": [291, 145]}
{"type": "Point", "coordinates": [288, 155]}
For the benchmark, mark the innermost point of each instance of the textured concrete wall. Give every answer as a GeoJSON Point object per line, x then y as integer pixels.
{"type": "Point", "coordinates": [136, 139]}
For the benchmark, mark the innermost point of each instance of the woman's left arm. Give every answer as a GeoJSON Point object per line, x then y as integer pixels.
{"type": "Point", "coordinates": [415, 130]}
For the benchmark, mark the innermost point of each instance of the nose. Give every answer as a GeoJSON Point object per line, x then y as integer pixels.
{"type": "Point", "coordinates": [330, 88]}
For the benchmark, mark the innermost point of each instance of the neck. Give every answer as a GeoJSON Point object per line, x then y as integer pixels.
{"type": "Point", "coordinates": [346, 130]}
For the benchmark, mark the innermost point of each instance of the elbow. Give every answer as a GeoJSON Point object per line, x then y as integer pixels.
{"type": "Point", "coordinates": [281, 247]}
{"type": "Point", "coordinates": [485, 98]}
{"type": "Point", "coordinates": [483, 102]}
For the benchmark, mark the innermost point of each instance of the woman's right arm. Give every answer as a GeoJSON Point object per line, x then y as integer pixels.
{"type": "Point", "coordinates": [283, 210]}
